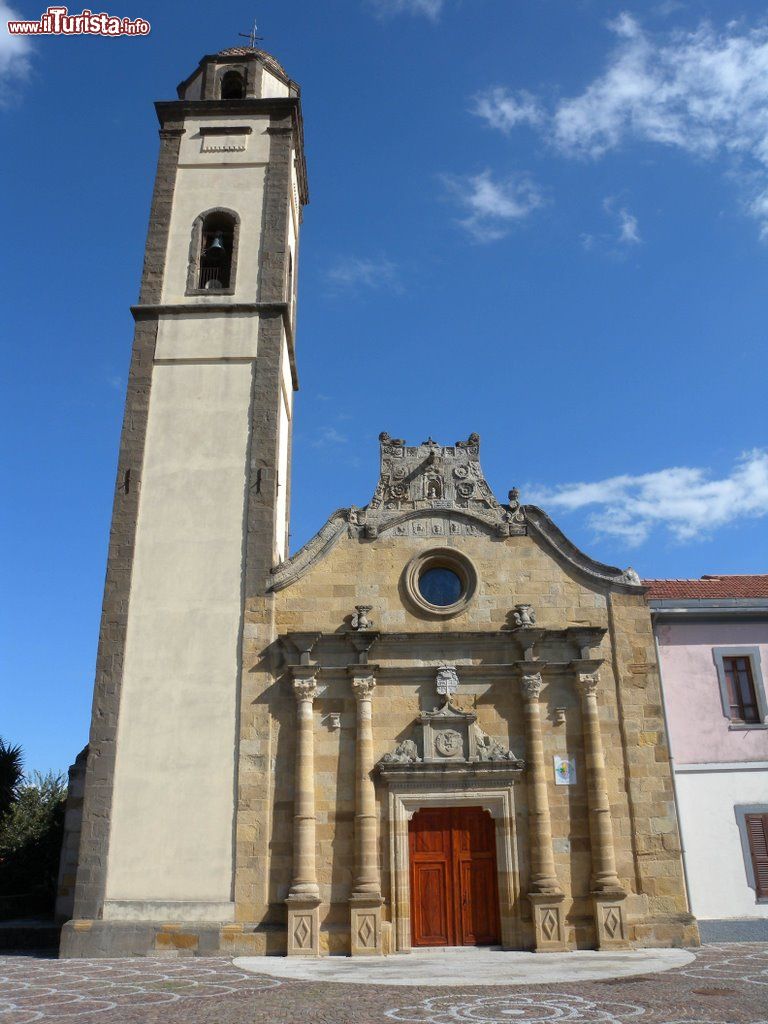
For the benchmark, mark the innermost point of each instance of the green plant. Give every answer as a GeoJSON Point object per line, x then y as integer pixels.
{"type": "Point", "coordinates": [11, 774]}
{"type": "Point", "coordinates": [31, 832]}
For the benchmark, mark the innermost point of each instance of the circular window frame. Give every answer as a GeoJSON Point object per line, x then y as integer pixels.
{"type": "Point", "coordinates": [440, 558]}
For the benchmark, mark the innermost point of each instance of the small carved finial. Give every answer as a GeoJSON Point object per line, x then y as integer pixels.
{"type": "Point", "coordinates": [514, 497]}
{"type": "Point", "coordinates": [630, 576]}
{"type": "Point", "coordinates": [386, 439]}
{"type": "Point", "coordinates": [524, 616]}
{"type": "Point", "coordinates": [473, 438]}
{"type": "Point", "coordinates": [360, 619]}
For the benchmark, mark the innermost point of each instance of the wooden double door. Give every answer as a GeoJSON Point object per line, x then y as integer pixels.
{"type": "Point", "coordinates": [454, 886]}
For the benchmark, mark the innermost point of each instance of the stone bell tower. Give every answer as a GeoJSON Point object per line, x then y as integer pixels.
{"type": "Point", "coordinates": [200, 510]}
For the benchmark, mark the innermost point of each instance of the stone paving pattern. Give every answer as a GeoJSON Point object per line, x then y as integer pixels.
{"type": "Point", "coordinates": [727, 984]}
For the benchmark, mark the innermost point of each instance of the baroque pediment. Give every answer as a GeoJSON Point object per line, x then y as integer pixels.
{"type": "Point", "coordinates": [430, 490]}
{"type": "Point", "coordinates": [434, 490]}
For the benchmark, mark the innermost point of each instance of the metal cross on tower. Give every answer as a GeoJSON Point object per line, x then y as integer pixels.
{"type": "Point", "coordinates": [251, 36]}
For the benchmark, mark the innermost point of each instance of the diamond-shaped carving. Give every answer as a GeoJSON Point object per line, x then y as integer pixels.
{"type": "Point", "coordinates": [612, 922]}
{"type": "Point", "coordinates": [302, 932]}
{"type": "Point", "coordinates": [549, 924]}
{"type": "Point", "coordinates": [366, 930]}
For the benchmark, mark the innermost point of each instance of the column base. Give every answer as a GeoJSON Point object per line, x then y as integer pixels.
{"type": "Point", "coordinates": [611, 920]}
{"type": "Point", "coordinates": [365, 925]}
{"type": "Point", "coordinates": [548, 922]}
{"type": "Point", "coordinates": [303, 926]}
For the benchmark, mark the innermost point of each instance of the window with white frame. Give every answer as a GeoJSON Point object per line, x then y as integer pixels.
{"type": "Point", "coordinates": [742, 689]}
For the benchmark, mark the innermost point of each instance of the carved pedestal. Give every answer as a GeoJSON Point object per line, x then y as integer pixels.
{"type": "Point", "coordinates": [610, 920]}
{"type": "Point", "coordinates": [365, 926]}
{"type": "Point", "coordinates": [303, 926]}
{"type": "Point", "coordinates": [548, 922]}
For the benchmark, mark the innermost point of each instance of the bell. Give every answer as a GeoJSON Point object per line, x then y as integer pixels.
{"type": "Point", "coordinates": [216, 248]}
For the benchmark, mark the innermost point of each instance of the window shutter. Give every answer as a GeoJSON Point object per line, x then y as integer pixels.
{"type": "Point", "coordinates": [757, 831]}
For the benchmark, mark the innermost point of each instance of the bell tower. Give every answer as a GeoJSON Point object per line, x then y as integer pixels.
{"type": "Point", "coordinates": [201, 509]}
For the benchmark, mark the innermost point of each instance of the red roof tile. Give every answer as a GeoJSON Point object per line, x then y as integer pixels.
{"type": "Point", "coordinates": [708, 588]}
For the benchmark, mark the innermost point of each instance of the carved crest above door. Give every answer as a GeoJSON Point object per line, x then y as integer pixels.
{"type": "Point", "coordinates": [447, 738]}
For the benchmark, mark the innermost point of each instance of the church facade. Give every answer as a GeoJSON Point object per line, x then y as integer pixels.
{"type": "Point", "coordinates": [438, 723]}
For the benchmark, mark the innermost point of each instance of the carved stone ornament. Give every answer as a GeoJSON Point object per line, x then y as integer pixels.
{"type": "Point", "coordinates": [432, 490]}
{"type": "Point", "coordinates": [447, 681]}
{"type": "Point", "coordinates": [360, 619]}
{"type": "Point", "coordinates": [430, 477]}
{"type": "Point", "coordinates": [449, 737]}
{"type": "Point", "coordinates": [586, 683]}
{"type": "Point", "coordinates": [363, 687]}
{"type": "Point", "coordinates": [524, 616]}
{"type": "Point", "coordinates": [489, 749]}
{"type": "Point", "coordinates": [305, 688]}
{"type": "Point", "coordinates": [449, 743]}
{"type": "Point", "coordinates": [531, 686]}
{"type": "Point", "coordinates": [404, 753]}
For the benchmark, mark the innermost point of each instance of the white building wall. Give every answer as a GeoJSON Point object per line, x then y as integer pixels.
{"type": "Point", "coordinates": [171, 839]}
{"type": "Point", "coordinates": [206, 180]}
{"type": "Point", "coordinates": [284, 441]}
{"type": "Point", "coordinates": [715, 858]}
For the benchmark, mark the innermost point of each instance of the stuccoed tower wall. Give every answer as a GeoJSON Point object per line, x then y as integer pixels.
{"type": "Point", "coordinates": [591, 621]}
{"type": "Point", "coordinates": [201, 505]}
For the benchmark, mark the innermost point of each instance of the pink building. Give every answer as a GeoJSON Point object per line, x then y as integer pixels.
{"type": "Point", "coordinates": [712, 638]}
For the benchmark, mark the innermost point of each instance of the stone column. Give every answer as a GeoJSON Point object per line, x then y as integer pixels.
{"type": "Point", "coordinates": [304, 896]}
{"type": "Point", "coordinates": [545, 894]}
{"type": "Point", "coordinates": [607, 893]}
{"type": "Point", "coordinates": [365, 902]}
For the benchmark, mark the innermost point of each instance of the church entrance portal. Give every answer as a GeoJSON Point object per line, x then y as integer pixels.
{"type": "Point", "coordinates": [454, 889]}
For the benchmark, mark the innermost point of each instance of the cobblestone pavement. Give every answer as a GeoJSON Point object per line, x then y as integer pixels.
{"type": "Point", "coordinates": [727, 984]}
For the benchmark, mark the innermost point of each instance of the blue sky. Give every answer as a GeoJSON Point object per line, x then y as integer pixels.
{"type": "Point", "coordinates": [542, 220]}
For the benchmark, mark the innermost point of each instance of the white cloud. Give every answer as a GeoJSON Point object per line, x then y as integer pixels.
{"type": "Point", "coordinates": [493, 206]}
{"type": "Point", "coordinates": [684, 500]}
{"type": "Point", "coordinates": [328, 436]}
{"type": "Point", "coordinates": [429, 8]}
{"type": "Point", "coordinates": [628, 232]}
{"type": "Point", "coordinates": [15, 54]}
{"type": "Point", "coordinates": [356, 272]}
{"type": "Point", "coordinates": [504, 110]}
{"type": "Point", "coordinates": [703, 91]}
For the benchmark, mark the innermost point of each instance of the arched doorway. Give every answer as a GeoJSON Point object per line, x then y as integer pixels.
{"type": "Point", "coordinates": [453, 877]}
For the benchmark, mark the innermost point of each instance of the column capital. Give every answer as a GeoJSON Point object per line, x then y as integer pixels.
{"type": "Point", "coordinates": [363, 686]}
{"type": "Point", "coordinates": [587, 683]}
{"type": "Point", "coordinates": [305, 684]}
{"type": "Point", "coordinates": [531, 684]}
